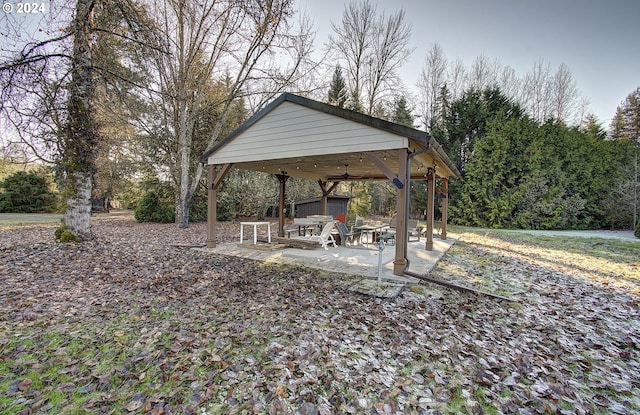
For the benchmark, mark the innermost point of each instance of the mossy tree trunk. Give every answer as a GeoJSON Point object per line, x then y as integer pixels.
{"type": "Point", "coordinates": [81, 134]}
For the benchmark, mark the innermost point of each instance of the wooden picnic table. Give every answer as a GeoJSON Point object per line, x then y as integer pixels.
{"type": "Point", "coordinates": [313, 223]}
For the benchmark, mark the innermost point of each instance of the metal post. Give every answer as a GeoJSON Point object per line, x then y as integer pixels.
{"type": "Point", "coordinates": [380, 249]}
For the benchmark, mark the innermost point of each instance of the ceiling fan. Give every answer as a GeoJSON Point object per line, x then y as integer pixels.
{"type": "Point", "coordinates": [345, 175]}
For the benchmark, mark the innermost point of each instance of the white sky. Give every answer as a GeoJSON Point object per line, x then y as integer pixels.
{"type": "Point", "coordinates": [598, 39]}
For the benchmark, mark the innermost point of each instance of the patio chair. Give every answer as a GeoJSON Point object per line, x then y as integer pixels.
{"type": "Point", "coordinates": [325, 238]}
{"type": "Point", "coordinates": [345, 234]}
{"type": "Point", "coordinates": [413, 229]}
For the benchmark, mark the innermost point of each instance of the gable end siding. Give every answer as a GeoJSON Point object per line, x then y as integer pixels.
{"type": "Point", "coordinates": [292, 130]}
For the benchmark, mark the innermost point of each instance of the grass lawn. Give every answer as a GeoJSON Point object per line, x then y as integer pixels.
{"type": "Point", "coordinates": [125, 323]}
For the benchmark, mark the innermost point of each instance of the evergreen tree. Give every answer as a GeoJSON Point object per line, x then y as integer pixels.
{"type": "Point", "coordinates": [355, 104]}
{"type": "Point", "coordinates": [593, 128]}
{"type": "Point", "coordinates": [465, 119]}
{"type": "Point", "coordinates": [26, 192]}
{"type": "Point", "coordinates": [626, 122]}
{"type": "Point", "coordinates": [402, 113]}
{"type": "Point", "coordinates": [626, 127]}
{"type": "Point", "coordinates": [338, 90]}
{"type": "Point", "coordinates": [521, 174]}
{"type": "Point", "coordinates": [554, 192]}
{"type": "Point", "coordinates": [492, 187]}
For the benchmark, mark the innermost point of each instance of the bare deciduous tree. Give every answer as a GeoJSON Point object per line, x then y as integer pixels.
{"type": "Point", "coordinates": [564, 94]}
{"type": "Point", "coordinates": [353, 43]}
{"type": "Point", "coordinates": [206, 42]}
{"type": "Point", "coordinates": [389, 52]}
{"type": "Point", "coordinates": [457, 75]}
{"type": "Point", "coordinates": [432, 78]}
{"type": "Point", "coordinates": [543, 94]}
{"type": "Point", "coordinates": [509, 82]}
{"type": "Point", "coordinates": [483, 73]}
{"type": "Point", "coordinates": [374, 48]}
{"type": "Point", "coordinates": [536, 91]}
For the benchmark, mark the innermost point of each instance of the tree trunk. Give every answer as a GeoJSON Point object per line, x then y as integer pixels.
{"type": "Point", "coordinates": [81, 137]}
{"type": "Point", "coordinates": [78, 214]}
{"type": "Point", "coordinates": [184, 194]}
{"type": "Point", "coordinates": [182, 210]}
{"type": "Point", "coordinates": [183, 198]}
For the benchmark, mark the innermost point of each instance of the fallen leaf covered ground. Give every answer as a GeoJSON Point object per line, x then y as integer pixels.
{"type": "Point", "coordinates": [126, 323]}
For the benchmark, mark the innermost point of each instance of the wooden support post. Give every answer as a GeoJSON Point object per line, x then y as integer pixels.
{"type": "Point", "coordinates": [400, 263]}
{"type": "Point", "coordinates": [214, 177]}
{"type": "Point", "coordinates": [282, 178]}
{"type": "Point", "coordinates": [445, 206]}
{"type": "Point", "coordinates": [211, 207]}
{"type": "Point", "coordinates": [325, 193]}
{"type": "Point", "coordinates": [431, 186]}
{"type": "Point", "coordinates": [323, 200]}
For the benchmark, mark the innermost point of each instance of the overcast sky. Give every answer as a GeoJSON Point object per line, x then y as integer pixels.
{"type": "Point", "coordinates": [598, 39]}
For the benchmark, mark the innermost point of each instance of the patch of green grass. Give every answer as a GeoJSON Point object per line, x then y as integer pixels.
{"type": "Point", "coordinates": [481, 397]}
{"type": "Point", "coordinates": [457, 404]}
{"type": "Point", "coordinates": [565, 405]}
{"type": "Point", "coordinates": [65, 363]}
{"type": "Point", "coordinates": [615, 250]}
{"type": "Point", "coordinates": [505, 393]}
{"type": "Point", "coordinates": [419, 289]}
{"type": "Point", "coordinates": [162, 314]}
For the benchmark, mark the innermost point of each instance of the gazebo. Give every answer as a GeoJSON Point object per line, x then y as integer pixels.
{"type": "Point", "coordinates": [295, 136]}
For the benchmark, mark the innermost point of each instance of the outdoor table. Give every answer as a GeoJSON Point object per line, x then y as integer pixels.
{"type": "Point", "coordinates": [371, 228]}
{"type": "Point", "coordinates": [255, 230]}
{"type": "Point", "coordinates": [313, 222]}
{"type": "Point", "coordinates": [304, 224]}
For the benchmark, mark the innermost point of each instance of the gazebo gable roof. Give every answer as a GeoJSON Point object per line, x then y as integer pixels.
{"type": "Point", "coordinates": [295, 128]}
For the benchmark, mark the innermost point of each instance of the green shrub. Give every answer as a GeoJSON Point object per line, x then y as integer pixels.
{"type": "Point", "coordinates": [637, 233]}
{"type": "Point", "coordinates": [158, 204]}
{"type": "Point", "coordinates": [155, 206]}
{"type": "Point", "coordinates": [198, 206]}
{"type": "Point", "coordinates": [63, 234]}
{"type": "Point", "coordinates": [68, 236]}
{"type": "Point", "coordinates": [26, 192]}
{"type": "Point", "coordinates": [59, 231]}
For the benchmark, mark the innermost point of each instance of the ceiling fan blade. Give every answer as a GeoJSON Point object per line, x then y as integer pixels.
{"type": "Point", "coordinates": [344, 176]}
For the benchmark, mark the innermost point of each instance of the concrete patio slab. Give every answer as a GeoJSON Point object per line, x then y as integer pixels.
{"type": "Point", "coordinates": [359, 260]}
